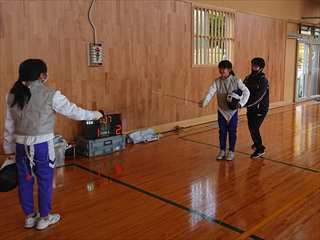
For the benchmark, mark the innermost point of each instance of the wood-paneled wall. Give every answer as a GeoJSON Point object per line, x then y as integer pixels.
{"type": "Point", "coordinates": [311, 8]}
{"type": "Point", "coordinates": [264, 37]}
{"type": "Point", "coordinates": [147, 47]}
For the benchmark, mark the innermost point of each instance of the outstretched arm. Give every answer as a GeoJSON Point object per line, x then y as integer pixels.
{"type": "Point", "coordinates": [210, 94]}
{"type": "Point", "coordinates": [63, 106]}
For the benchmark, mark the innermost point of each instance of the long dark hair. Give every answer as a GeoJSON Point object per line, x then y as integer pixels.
{"type": "Point", "coordinates": [29, 71]}
{"type": "Point", "coordinates": [225, 64]}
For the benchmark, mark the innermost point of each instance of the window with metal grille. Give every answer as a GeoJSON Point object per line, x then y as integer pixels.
{"type": "Point", "coordinates": [213, 36]}
{"type": "Point", "coordinates": [310, 30]}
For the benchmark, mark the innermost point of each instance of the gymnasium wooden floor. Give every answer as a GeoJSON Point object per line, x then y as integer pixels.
{"type": "Point", "coordinates": [175, 189]}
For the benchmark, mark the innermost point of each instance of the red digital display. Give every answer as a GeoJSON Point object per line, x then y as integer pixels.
{"type": "Point", "coordinates": [118, 130]}
{"type": "Point", "coordinates": [109, 125]}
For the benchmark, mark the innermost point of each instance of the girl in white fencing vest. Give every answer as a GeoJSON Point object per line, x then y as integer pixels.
{"type": "Point", "coordinates": [29, 133]}
{"type": "Point", "coordinates": [223, 86]}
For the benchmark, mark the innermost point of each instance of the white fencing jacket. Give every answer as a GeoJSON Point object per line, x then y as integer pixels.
{"type": "Point", "coordinates": [60, 104]}
{"type": "Point", "coordinates": [222, 87]}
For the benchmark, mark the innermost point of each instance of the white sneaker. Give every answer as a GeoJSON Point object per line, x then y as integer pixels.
{"type": "Point", "coordinates": [221, 155]}
{"type": "Point", "coordinates": [47, 221]}
{"type": "Point", "coordinates": [230, 156]}
{"type": "Point", "coordinates": [31, 221]}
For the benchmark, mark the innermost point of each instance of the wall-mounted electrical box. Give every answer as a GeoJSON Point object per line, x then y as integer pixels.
{"type": "Point", "coordinates": [95, 54]}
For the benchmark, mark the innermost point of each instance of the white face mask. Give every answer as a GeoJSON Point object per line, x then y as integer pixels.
{"type": "Point", "coordinates": [45, 79]}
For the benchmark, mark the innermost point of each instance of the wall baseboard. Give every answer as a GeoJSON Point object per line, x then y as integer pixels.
{"type": "Point", "coordinates": [205, 119]}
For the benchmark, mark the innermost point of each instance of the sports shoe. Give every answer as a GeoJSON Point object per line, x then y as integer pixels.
{"type": "Point", "coordinates": [257, 154]}
{"type": "Point", "coordinates": [230, 156]}
{"type": "Point", "coordinates": [221, 155]}
{"type": "Point", "coordinates": [31, 221]}
{"type": "Point", "coordinates": [47, 221]}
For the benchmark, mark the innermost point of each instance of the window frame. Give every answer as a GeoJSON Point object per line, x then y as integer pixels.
{"type": "Point", "coordinates": [232, 14]}
{"type": "Point", "coordinates": [314, 30]}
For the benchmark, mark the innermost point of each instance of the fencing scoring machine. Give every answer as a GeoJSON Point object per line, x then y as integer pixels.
{"type": "Point", "coordinates": [103, 136]}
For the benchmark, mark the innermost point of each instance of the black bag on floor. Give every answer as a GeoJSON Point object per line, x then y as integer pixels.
{"type": "Point", "coordinates": [8, 178]}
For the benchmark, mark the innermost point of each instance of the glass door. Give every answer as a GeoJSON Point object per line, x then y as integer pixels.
{"type": "Point", "coordinates": [302, 67]}
{"type": "Point", "coordinates": [314, 71]}
{"type": "Point", "coordinates": [307, 70]}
